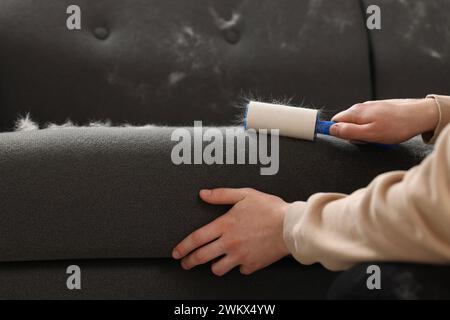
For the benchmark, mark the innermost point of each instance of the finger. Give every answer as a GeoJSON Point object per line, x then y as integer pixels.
{"type": "Point", "coordinates": [223, 195]}
{"type": "Point", "coordinates": [246, 270]}
{"type": "Point", "coordinates": [224, 265]}
{"type": "Point", "coordinates": [351, 131]}
{"type": "Point", "coordinates": [351, 115]}
{"type": "Point", "coordinates": [203, 254]}
{"type": "Point", "coordinates": [198, 238]}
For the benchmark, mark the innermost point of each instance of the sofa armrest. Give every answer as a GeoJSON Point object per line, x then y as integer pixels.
{"type": "Point", "coordinates": [81, 193]}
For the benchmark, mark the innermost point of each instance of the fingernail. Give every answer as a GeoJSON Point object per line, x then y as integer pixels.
{"type": "Point", "coordinates": [205, 192]}
{"type": "Point", "coordinates": [334, 130]}
{"type": "Point", "coordinates": [175, 254]}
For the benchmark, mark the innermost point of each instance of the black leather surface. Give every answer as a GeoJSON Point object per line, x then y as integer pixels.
{"type": "Point", "coordinates": [171, 62]}
{"type": "Point", "coordinates": [410, 52]}
{"type": "Point", "coordinates": [160, 279]}
{"type": "Point", "coordinates": [115, 193]}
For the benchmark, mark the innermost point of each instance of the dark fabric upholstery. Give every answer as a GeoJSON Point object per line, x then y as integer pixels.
{"type": "Point", "coordinates": [173, 62]}
{"type": "Point", "coordinates": [410, 52]}
{"type": "Point", "coordinates": [399, 281]}
{"type": "Point", "coordinates": [115, 193]}
{"type": "Point", "coordinates": [159, 279]}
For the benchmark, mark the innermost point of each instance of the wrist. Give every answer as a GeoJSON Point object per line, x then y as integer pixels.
{"type": "Point", "coordinates": [282, 214]}
{"type": "Point", "coordinates": [429, 112]}
{"type": "Point", "coordinates": [291, 227]}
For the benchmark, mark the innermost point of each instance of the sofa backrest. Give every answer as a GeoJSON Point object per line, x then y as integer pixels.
{"type": "Point", "coordinates": [173, 62]}
{"type": "Point", "coordinates": [411, 53]}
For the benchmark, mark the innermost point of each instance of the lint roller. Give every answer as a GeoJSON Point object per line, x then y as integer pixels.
{"type": "Point", "coordinates": [293, 122]}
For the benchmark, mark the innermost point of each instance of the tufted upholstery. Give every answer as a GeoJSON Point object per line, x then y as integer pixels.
{"type": "Point", "coordinates": [82, 195]}
{"type": "Point", "coordinates": [173, 62]}
{"type": "Point", "coordinates": [410, 53]}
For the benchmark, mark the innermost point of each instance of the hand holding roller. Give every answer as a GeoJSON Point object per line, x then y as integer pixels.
{"type": "Point", "coordinates": [293, 122]}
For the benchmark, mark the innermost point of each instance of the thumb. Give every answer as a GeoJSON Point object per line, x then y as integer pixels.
{"type": "Point", "coordinates": [349, 131]}
{"type": "Point", "coordinates": [348, 115]}
{"type": "Point", "coordinates": [355, 114]}
{"type": "Point", "coordinates": [223, 195]}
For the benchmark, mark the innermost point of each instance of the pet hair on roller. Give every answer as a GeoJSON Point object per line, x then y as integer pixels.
{"type": "Point", "coordinates": [293, 122]}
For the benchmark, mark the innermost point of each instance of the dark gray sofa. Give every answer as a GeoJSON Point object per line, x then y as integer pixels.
{"type": "Point", "coordinates": [110, 200]}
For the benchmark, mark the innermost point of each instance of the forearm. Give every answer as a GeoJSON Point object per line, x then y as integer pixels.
{"type": "Point", "coordinates": [400, 216]}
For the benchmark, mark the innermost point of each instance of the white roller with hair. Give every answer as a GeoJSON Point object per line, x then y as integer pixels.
{"type": "Point", "coordinates": [293, 122]}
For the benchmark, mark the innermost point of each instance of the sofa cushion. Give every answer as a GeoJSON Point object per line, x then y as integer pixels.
{"type": "Point", "coordinates": [81, 193]}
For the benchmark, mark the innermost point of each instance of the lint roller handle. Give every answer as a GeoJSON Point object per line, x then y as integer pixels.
{"type": "Point", "coordinates": [323, 127]}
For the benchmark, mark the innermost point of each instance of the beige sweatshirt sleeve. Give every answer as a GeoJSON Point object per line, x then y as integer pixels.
{"type": "Point", "coordinates": [400, 216]}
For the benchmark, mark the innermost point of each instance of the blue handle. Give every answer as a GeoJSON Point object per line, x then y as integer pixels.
{"type": "Point", "coordinates": [323, 127]}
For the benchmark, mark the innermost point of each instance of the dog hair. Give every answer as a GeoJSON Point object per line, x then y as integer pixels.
{"type": "Point", "coordinates": [26, 123]}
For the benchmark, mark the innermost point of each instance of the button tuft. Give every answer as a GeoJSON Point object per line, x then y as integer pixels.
{"type": "Point", "coordinates": [101, 33]}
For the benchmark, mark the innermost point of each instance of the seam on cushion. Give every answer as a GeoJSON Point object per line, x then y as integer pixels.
{"type": "Point", "coordinates": [370, 53]}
